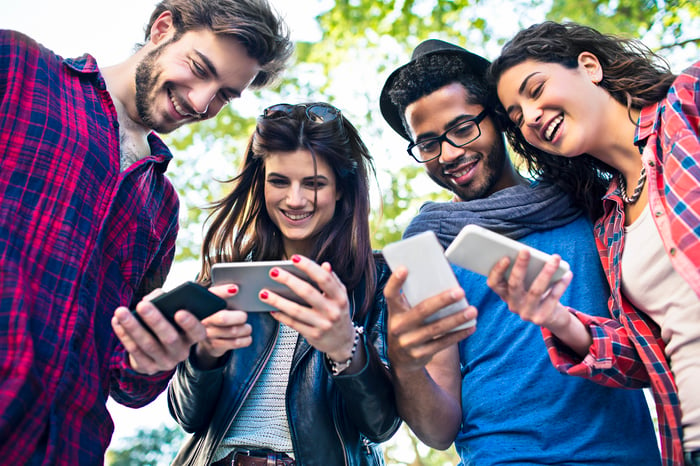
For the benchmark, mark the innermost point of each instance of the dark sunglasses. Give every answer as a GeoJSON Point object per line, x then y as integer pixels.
{"type": "Point", "coordinates": [318, 112]}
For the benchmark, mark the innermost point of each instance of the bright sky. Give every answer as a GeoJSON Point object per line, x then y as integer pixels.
{"type": "Point", "coordinates": [109, 31]}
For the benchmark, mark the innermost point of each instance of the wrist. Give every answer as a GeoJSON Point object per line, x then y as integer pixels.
{"type": "Point", "coordinates": [337, 366]}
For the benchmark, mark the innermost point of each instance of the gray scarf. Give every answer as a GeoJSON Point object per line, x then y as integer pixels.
{"type": "Point", "coordinates": [515, 212]}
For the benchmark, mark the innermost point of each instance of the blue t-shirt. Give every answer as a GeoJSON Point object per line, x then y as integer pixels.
{"type": "Point", "coordinates": [518, 409]}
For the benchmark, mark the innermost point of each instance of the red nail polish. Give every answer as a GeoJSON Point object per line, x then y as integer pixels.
{"type": "Point", "coordinates": [263, 295]}
{"type": "Point", "coordinates": [296, 259]}
{"type": "Point", "coordinates": [233, 289]}
{"type": "Point", "coordinates": [274, 272]}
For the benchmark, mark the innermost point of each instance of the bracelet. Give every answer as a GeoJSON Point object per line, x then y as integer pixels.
{"type": "Point", "coordinates": [338, 367]}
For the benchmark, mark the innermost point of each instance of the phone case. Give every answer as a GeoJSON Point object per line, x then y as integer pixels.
{"type": "Point", "coordinates": [251, 277]}
{"type": "Point", "coordinates": [429, 273]}
{"type": "Point", "coordinates": [479, 249]}
{"type": "Point", "coordinates": [190, 296]}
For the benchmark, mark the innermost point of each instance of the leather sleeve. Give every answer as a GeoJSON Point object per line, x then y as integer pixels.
{"type": "Point", "coordinates": [368, 394]}
{"type": "Point", "coordinates": [193, 395]}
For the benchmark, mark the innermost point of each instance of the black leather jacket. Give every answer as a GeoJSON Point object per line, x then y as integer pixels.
{"type": "Point", "coordinates": [333, 420]}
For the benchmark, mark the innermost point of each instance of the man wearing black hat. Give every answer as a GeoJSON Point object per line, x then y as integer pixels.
{"type": "Point", "coordinates": [493, 391]}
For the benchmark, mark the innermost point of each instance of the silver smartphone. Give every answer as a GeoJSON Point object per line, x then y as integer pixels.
{"type": "Point", "coordinates": [429, 273]}
{"type": "Point", "coordinates": [479, 249]}
{"type": "Point", "coordinates": [251, 277]}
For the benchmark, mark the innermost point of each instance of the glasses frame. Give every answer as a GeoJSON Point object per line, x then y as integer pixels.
{"type": "Point", "coordinates": [289, 110]}
{"type": "Point", "coordinates": [443, 138]}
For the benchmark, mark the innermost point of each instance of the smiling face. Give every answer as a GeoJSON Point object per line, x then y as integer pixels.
{"type": "Point", "coordinates": [473, 171]}
{"type": "Point", "coordinates": [190, 78]}
{"type": "Point", "coordinates": [558, 110]}
{"type": "Point", "coordinates": [290, 186]}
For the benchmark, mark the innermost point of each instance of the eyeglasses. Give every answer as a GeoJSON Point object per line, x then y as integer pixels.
{"type": "Point", "coordinates": [317, 112]}
{"type": "Point", "coordinates": [459, 135]}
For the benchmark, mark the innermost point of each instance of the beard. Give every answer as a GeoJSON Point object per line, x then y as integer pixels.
{"type": "Point", "coordinates": [146, 80]}
{"type": "Point", "coordinates": [493, 166]}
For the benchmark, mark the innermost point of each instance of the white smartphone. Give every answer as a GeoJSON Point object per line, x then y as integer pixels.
{"type": "Point", "coordinates": [251, 277]}
{"type": "Point", "coordinates": [429, 273]}
{"type": "Point", "coordinates": [479, 249]}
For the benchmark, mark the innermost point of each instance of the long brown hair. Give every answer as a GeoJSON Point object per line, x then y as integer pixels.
{"type": "Point", "coordinates": [241, 228]}
{"type": "Point", "coordinates": [632, 74]}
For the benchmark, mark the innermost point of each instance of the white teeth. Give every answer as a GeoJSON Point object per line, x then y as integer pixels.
{"type": "Point", "coordinates": [178, 109]}
{"type": "Point", "coordinates": [297, 216]}
{"type": "Point", "coordinates": [552, 127]}
{"type": "Point", "coordinates": [460, 173]}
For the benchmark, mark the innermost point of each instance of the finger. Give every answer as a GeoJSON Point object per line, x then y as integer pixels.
{"type": "Point", "coordinates": [392, 288]}
{"type": "Point", "coordinates": [558, 289]}
{"type": "Point", "coordinates": [294, 313]}
{"type": "Point", "coordinates": [516, 279]}
{"type": "Point", "coordinates": [193, 330]}
{"type": "Point", "coordinates": [427, 350]}
{"type": "Point", "coordinates": [225, 290]}
{"type": "Point", "coordinates": [324, 277]}
{"type": "Point", "coordinates": [122, 321]}
{"type": "Point", "coordinates": [542, 281]}
{"type": "Point", "coordinates": [226, 318]}
{"type": "Point", "coordinates": [163, 330]}
{"type": "Point", "coordinates": [496, 279]}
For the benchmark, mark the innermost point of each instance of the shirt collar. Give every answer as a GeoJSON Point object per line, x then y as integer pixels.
{"type": "Point", "coordinates": [84, 64]}
{"type": "Point", "coordinates": [648, 123]}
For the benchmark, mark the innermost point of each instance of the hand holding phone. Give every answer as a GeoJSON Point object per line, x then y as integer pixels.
{"type": "Point", "coordinates": [429, 273]}
{"type": "Point", "coordinates": [189, 296]}
{"type": "Point", "coordinates": [478, 249]}
{"type": "Point", "coordinates": [251, 277]}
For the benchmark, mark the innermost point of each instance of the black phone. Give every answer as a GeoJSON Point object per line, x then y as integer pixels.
{"type": "Point", "coordinates": [190, 296]}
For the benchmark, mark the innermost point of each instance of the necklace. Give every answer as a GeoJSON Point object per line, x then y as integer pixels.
{"type": "Point", "coordinates": [637, 191]}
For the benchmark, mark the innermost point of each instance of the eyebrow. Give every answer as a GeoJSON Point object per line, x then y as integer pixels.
{"type": "Point", "coordinates": [521, 89]}
{"type": "Point", "coordinates": [212, 69]}
{"type": "Point", "coordinates": [306, 178]}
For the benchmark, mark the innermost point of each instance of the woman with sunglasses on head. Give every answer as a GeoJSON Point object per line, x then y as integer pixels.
{"type": "Point", "coordinates": [605, 119]}
{"type": "Point", "coordinates": [307, 383]}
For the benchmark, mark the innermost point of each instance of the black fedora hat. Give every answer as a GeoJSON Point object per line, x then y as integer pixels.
{"type": "Point", "coordinates": [390, 111]}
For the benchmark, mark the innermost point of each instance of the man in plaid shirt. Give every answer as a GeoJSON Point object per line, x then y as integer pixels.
{"type": "Point", "coordinates": [88, 221]}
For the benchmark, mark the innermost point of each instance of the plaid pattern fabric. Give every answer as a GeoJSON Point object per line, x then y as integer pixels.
{"type": "Point", "coordinates": [628, 351]}
{"type": "Point", "coordinates": [77, 239]}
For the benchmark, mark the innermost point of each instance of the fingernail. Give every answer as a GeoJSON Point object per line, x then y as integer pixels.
{"type": "Point", "coordinates": [233, 289]}
{"type": "Point", "coordinates": [263, 295]}
{"type": "Point", "coordinates": [274, 272]}
{"type": "Point", "coordinates": [296, 259]}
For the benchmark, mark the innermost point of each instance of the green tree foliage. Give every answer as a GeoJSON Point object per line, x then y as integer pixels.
{"type": "Point", "coordinates": [147, 447]}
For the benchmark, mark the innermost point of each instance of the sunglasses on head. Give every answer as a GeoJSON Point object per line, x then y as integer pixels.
{"type": "Point", "coordinates": [317, 113]}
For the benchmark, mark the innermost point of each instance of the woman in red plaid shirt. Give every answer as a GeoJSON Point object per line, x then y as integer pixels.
{"type": "Point", "coordinates": [604, 118]}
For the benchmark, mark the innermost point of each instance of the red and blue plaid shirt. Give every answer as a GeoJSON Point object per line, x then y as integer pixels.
{"type": "Point", "coordinates": [77, 239]}
{"type": "Point", "coordinates": [629, 351]}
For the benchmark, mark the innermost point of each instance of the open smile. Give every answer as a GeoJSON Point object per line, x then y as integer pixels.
{"type": "Point", "coordinates": [296, 216]}
{"type": "Point", "coordinates": [178, 107]}
{"type": "Point", "coordinates": [463, 172]}
{"type": "Point", "coordinates": [552, 128]}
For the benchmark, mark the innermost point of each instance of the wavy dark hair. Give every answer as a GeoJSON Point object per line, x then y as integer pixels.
{"type": "Point", "coordinates": [253, 23]}
{"type": "Point", "coordinates": [241, 228]}
{"type": "Point", "coordinates": [431, 72]}
{"type": "Point", "coordinates": [632, 74]}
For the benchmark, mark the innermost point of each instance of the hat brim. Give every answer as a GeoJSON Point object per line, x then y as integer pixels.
{"type": "Point", "coordinates": [390, 111]}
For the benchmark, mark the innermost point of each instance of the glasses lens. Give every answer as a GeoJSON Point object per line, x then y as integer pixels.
{"type": "Point", "coordinates": [276, 110]}
{"type": "Point", "coordinates": [464, 133]}
{"type": "Point", "coordinates": [321, 113]}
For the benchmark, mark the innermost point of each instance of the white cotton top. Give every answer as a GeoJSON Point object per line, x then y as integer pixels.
{"type": "Point", "coordinates": [262, 421]}
{"type": "Point", "coordinates": [651, 283]}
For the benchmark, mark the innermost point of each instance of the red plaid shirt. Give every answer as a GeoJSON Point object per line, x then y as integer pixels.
{"type": "Point", "coordinates": [629, 351]}
{"type": "Point", "coordinates": [77, 239]}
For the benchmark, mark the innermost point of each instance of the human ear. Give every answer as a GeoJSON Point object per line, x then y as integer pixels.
{"type": "Point", "coordinates": [162, 28]}
{"type": "Point", "coordinates": [591, 65]}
